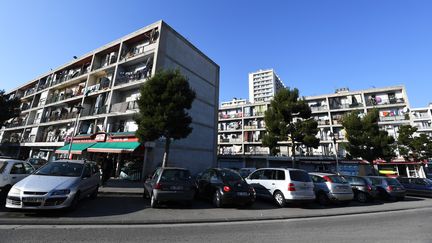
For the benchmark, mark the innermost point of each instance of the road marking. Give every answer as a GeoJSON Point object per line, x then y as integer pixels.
{"type": "Point", "coordinates": [179, 225]}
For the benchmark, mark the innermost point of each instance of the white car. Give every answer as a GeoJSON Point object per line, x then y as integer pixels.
{"type": "Point", "coordinates": [58, 184]}
{"type": "Point", "coordinates": [284, 185]}
{"type": "Point", "coordinates": [11, 172]}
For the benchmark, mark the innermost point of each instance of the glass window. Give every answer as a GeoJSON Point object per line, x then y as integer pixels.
{"type": "Point", "coordinates": [3, 165]}
{"type": "Point", "coordinates": [298, 175]}
{"type": "Point", "coordinates": [18, 168]}
{"type": "Point", "coordinates": [393, 182]}
{"type": "Point", "coordinates": [267, 175]}
{"type": "Point", "coordinates": [229, 176]}
{"type": "Point", "coordinates": [175, 175]}
{"type": "Point", "coordinates": [28, 168]}
{"type": "Point", "coordinates": [156, 174]}
{"type": "Point", "coordinates": [317, 179]}
{"type": "Point", "coordinates": [376, 181]}
{"type": "Point", "coordinates": [256, 175]}
{"type": "Point", "coordinates": [337, 179]}
{"type": "Point", "coordinates": [61, 169]}
{"type": "Point", "coordinates": [87, 171]}
{"type": "Point", "coordinates": [279, 175]}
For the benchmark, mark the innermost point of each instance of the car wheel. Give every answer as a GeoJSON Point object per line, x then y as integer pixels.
{"type": "Point", "coordinates": [94, 193]}
{"type": "Point", "coordinates": [362, 197]}
{"type": "Point", "coordinates": [153, 201]}
{"type": "Point", "coordinates": [279, 199]}
{"type": "Point", "coordinates": [322, 198]}
{"type": "Point", "coordinates": [217, 199]}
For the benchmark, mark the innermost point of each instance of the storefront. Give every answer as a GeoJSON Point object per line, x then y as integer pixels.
{"type": "Point", "coordinates": [124, 148]}
{"type": "Point", "coordinates": [401, 168]}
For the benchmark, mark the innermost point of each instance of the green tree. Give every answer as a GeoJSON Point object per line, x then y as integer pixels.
{"type": "Point", "coordinates": [9, 108]}
{"type": "Point", "coordinates": [413, 147]}
{"type": "Point", "coordinates": [289, 119]}
{"type": "Point", "coordinates": [162, 109]}
{"type": "Point", "coordinates": [365, 139]}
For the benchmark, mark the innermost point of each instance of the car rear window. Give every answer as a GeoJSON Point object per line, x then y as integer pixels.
{"type": "Point", "coordinates": [3, 165]}
{"type": "Point", "coordinates": [229, 176]}
{"type": "Point", "coordinates": [175, 175]}
{"type": "Point", "coordinates": [298, 175]}
{"type": "Point", "coordinates": [376, 181]}
{"type": "Point", "coordinates": [337, 179]}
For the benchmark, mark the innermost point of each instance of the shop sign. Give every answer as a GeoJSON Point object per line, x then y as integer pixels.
{"type": "Point", "coordinates": [100, 137]}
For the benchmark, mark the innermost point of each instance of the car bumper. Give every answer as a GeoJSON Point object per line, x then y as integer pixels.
{"type": "Point", "coordinates": [341, 196]}
{"type": "Point", "coordinates": [174, 195]}
{"type": "Point", "coordinates": [57, 202]}
{"type": "Point", "coordinates": [233, 198]}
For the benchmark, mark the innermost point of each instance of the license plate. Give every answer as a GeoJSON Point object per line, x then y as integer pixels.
{"type": "Point", "coordinates": [32, 199]}
{"type": "Point", "coordinates": [243, 194]}
{"type": "Point", "coordinates": [176, 188]}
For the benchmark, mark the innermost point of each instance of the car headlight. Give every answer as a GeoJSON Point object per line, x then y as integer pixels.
{"type": "Point", "coordinates": [60, 192]}
{"type": "Point", "coordinates": [14, 190]}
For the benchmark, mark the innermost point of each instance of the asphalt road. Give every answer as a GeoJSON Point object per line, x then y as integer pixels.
{"type": "Point", "coordinates": [401, 226]}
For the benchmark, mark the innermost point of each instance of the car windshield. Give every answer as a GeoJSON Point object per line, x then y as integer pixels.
{"type": "Point", "coordinates": [337, 179]}
{"type": "Point", "coordinates": [298, 175]}
{"type": "Point", "coordinates": [175, 175]}
{"type": "Point", "coordinates": [229, 176]}
{"type": "Point", "coordinates": [3, 165]}
{"type": "Point", "coordinates": [61, 169]}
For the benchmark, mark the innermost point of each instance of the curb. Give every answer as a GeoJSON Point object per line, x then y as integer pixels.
{"type": "Point", "coordinates": [62, 221]}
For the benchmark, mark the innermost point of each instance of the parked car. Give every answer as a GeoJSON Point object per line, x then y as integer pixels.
{"type": "Point", "coordinates": [11, 172]}
{"type": "Point", "coordinates": [37, 162]}
{"type": "Point", "coordinates": [417, 186]}
{"type": "Point", "coordinates": [58, 184]}
{"type": "Point", "coordinates": [362, 187]}
{"type": "Point", "coordinates": [339, 190]}
{"type": "Point", "coordinates": [245, 172]}
{"type": "Point", "coordinates": [170, 184]}
{"type": "Point", "coordinates": [225, 186]}
{"type": "Point", "coordinates": [283, 185]}
{"type": "Point", "coordinates": [388, 188]}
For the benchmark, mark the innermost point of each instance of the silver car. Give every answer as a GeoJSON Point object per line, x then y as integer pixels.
{"type": "Point", "coordinates": [339, 190]}
{"type": "Point", "coordinates": [56, 185]}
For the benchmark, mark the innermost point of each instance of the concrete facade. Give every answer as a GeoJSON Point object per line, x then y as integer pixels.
{"type": "Point", "coordinates": [106, 83]}
{"type": "Point", "coordinates": [263, 85]}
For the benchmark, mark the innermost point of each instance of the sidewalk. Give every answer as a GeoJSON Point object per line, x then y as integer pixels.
{"type": "Point", "coordinates": [122, 187]}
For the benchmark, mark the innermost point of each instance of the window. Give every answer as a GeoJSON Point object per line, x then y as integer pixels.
{"type": "Point", "coordinates": [298, 175]}
{"type": "Point", "coordinates": [267, 175]}
{"type": "Point", "coordinates": [256, 175]}
{"type": "Point", "coordinates": [156, 174]}
{"type": "Point", "coordinates": [279, 175]}
{"type": "Point", "coordinates": [175, 175]}
{"type": "Point", "coordinates": [28, 168]}
{"type": "Point", "coordinates": [18, 168]}
{"type": "Point", "coordinates": [87, 171]}
{"type": "Point", "coordinates": [317, 179]}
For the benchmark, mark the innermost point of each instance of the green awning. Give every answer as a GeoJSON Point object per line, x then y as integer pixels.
{"type": "Point", "coordinates": [114, 147]}
{"type": "Point", "coordinates": [77, 148]}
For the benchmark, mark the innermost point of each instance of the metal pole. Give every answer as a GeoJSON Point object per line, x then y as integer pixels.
{"type": "Point", "coordinates": [336, 154]}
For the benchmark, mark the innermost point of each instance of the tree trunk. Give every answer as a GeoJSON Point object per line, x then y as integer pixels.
{"type": "Point", "coordinates": [166, 153]}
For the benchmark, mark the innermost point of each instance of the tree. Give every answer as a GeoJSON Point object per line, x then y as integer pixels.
{"type": "Point", "coordinates": [9, 108]}
{"type": "Point", "coordinates": [413, 147]}
{"type": "Point", "coordinates": [365, 139]}
{"type": "Point", "coordinates": [162, 109]}
{"type": "Point", "coordinates": [289, 119]}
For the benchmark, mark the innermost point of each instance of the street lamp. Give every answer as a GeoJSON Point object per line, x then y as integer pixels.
{"type": "Point", "coordinates": [334, 137]}
{"type": "Point", "coordinates": [79, 108]}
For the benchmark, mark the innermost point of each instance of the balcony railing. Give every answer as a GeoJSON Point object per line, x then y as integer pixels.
{"type": "Point", "coordinates": [94, 111]}
{"type": "Point", "coordinates": [318, 108]}
{"type": "Point", "coordinates": [392, 118]}
{"type": "Point", "coordinates": [254, 114]}
{"type": "Point", "coordinates": [127, 77]}
{"type": "Point", "coordinates": [232, 140]}
{"type": "Point", "coordinates": [227, 116]}
{"type": "Point", "coordinates": [57, 98]}
{"type": "Point", "coordinates": [375, 102]}
{"type": "Point", "coordinates": [57, 117]}
{"type": "Point", "coordinates": [15, 124]}
{"type": "Point", "coordinates": [30, 91]}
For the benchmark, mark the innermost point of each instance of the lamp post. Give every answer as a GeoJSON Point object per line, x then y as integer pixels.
{"type": "Point", "coordinates": [79, 108]}
{"type": "Point", "coordinates": [334, 137]}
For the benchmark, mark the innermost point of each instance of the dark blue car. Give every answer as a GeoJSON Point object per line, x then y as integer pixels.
{"type": "Point", "coordinates": [417, 186]}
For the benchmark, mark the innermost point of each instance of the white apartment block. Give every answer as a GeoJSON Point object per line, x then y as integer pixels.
{"type": "Point", "coordinates": [106, 82]}
{"type": "Point", "coordinates": [241, 127]}
{"type": "Point", "coordinates": [422, 119]}
{"type": "Point", "coordinates": [263, 85]}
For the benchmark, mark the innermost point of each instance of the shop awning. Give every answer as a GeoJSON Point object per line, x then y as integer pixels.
{"type": "Point", "coordinates": [114, 147]}
{"type": "Point", "coordinates": [77, 148]}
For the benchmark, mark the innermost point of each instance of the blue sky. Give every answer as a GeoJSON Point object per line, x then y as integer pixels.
{"type": "Point", "coordinates": [316, 46]}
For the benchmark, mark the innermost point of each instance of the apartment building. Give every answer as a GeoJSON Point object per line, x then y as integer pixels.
{"type": "Point", "coordinates": [106, 82]}
{"type": "Point", "coordinates": [263, 85]}
{"type": "Point", "coordinates": [422, 119]}
{"type": "Point", "coordinates": [242, 126]}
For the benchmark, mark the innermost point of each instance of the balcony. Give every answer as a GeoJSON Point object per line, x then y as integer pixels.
{"type": "Point", "coordinates": [230, 140]}
{"type": "Point", "coordinates": [378, 102]}
{"type": "Point", "coordinates": [228, 116]}
{"type": "Point", "coordinates": [392, 118]}
{"type": "Point", "coordinates": [30, 91]}
{"type": "Point", "coordinates": [254, 114]}
{"type": "Point", "coordinates": [59, 117]}
{"type": "Point", "coordinates": [63, 96]}
{"type": "Point", "coordinates": [124, 106]}
{"type": "Point", "coordinates": [94, 111]}
{"type": "Point", "coordinates": [323, 122]}
{"type": "Point", "coordinates": [319, 108]}
{"type": "Point", "coordinates": [15, 124]}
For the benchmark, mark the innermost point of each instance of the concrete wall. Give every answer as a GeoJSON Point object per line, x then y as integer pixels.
{"type": "Point", "coordinates": [198, 151]}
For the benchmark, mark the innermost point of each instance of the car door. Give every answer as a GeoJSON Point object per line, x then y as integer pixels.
{"type": "Point", "coordinates": [202, 182]}
{"type": "Point", "coordinates": [256, 181]}
{"type": "Point", "coordinates": [86, 180]}
{"type": "Point", "coordinates": [17, 172]}
{"type": "Point", "coordinates": [150, 182]}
